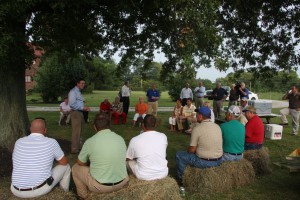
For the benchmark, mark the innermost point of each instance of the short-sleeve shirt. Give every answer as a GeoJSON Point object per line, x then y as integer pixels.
{"type": "Point", "coordinates": [255, 130]}
{"type": "Point", "coordinates": [106, 152]}
{"type": "Point", "coordinates": [242, 95]}
{"type": "Point", "coordinates": [233, 133]}
{"type": "Point", "coordinates": [233, 95]}
{"type": "Point", "coordinates": [65, 107]}
{"type": "Point", "coordinates": [141, 108]}
{"type": "Point", "coordinates": [152, 93]}
{"type": "Point", "coordinates": [294, 101]}
{"type": "Point", "coordinates": [207, 137]}
{"type": "Point", "coordinates": [33, 158]}
{"type": "Point", "coordinates": [118, 107]}
{"type": "Point", "coordinates": [219, 93]}
{"type": "Point", "coordinates": [188, 111]}
{"type": "Point", "coordinates": [149, 150]}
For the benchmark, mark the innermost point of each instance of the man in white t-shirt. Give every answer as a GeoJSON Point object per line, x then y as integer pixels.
{"type": "Point", "coordinates": [64, 109]}
{"type": "Point", "coordinates": [146, 154]}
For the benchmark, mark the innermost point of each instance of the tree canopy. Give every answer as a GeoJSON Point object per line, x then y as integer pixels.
{"type": "Point", "coordinates": [191, 33]}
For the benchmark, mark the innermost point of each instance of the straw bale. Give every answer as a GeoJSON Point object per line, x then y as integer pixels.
{"type": "Point", "coordinates": [166, 188]}
{"type": "Point", "coordinates": [205, 182]}
{"type": "Point", "coordinates": [260, 160]}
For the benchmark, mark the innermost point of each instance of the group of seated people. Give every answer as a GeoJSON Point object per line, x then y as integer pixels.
{"type": "Point", "coordinates": [185, 116]}
{"type": "Point", "coordinates": [211, 144]}
{"type": "Point", "coordinates": [104, 162]}
{"type": "Point", "coordinates": [115, 109]}
{"type": "Point", "coordinates": [102, 166]}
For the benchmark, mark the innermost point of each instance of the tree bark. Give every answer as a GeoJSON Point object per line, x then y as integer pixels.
{"type": "Point", "coordinates": [14, 121]}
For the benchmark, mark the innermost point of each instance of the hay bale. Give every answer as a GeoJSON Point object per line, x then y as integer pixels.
{"type": "Point", "coordinates": [260, 160]}
{"type": "Point", "coordinates": [166, 188]}
{"type": "Point", "coordinates": [205, 182]}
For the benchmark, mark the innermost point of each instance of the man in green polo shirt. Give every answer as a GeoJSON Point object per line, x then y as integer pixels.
{"type": "Point", "coordinates": [101, 164]}
{"type": "Point", "coordinates": [233, 133]}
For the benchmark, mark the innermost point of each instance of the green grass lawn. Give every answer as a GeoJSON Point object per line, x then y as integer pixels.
{"type": "Point", "coordinates": [94, 99]}
{"type": "Point", "coordinates": [279, 185]}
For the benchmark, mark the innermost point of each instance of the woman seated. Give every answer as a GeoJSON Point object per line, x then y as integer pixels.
{"type": "Point", "coordinates": [117, 111]}
{"type": "Point", "coordinates": [175, 117]}
{"type": "Point", "coordinates": [140, 110]}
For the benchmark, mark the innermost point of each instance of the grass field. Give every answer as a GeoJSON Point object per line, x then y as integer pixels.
{"type": "Point", "coordinates": [279, 185]}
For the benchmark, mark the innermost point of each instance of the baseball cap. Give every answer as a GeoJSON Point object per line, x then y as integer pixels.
{"type": "Point", "coordinates": [244, 99]}
{"type": "Point", "coordinates": [204, 110]}
{"type": "Point", "coordinates": [250, 108]}
{"type": "Point", "coordinates": [235, 110]}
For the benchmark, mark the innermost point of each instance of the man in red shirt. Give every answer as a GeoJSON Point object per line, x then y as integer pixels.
{"type": "Point", "coordinates": [254, 129]}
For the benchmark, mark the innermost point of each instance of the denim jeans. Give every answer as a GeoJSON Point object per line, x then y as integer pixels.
{"type": "Point", "coordinates": [230, 157]}
{"type": "Point", "coordinates": [250, 146]}
{"type": "Point", "coordinates": [183, 158]}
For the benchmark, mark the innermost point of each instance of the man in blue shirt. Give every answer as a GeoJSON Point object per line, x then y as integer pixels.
{"type": "Point", "coordinates": [243, 91]}
{"type": "Point", "coordinates": [219, 95]}
{"type": "Point", "coordinates": [153, 96]}
{"type": "Point", "coordinates": [77, 107]}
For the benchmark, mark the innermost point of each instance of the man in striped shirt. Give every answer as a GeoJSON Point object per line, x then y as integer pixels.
{"type": "Point", "coordinates": [33, 157]}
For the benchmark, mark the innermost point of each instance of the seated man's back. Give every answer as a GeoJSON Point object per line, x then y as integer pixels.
{"type": "Point", "coordinates": [101, 164]}
{"type": "Point", "coordinates": [33, 158]}
{"type": "Point", "coordinates": [147, 152]}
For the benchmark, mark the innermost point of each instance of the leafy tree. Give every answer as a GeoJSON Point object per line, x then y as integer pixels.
{"type": "Point", "coordinates": [190, 33]}
{"type": "Point", "coordinates": [58, 73]}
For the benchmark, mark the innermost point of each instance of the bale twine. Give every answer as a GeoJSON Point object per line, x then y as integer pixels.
{"type": "Point", "coordinates": [205, 182]}
{"type": "Point", "coordinates": [166, 188]}
{"type": "Point", "coordinates": [260, 160]}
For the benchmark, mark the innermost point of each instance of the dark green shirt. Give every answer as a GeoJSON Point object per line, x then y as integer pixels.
{"type": "Point", "coordinates": [233, 133]}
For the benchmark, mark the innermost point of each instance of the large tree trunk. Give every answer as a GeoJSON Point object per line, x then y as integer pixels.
{"type": "Point", "coordinates": [14, 121]}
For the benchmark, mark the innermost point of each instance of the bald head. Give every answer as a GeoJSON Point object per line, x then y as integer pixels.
{"type": "Point", "coordinates": [38, 126]}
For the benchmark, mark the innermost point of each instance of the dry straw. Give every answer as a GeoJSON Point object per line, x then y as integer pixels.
{"type": "Point", "coordinates": [260, 160]}
{"type": "Point", "coordinates": [166, 188]}
{"type": "Point", "coordinates": [205, 182]}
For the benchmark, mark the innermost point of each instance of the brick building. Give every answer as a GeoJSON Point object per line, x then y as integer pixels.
{"type": "Point", "coordinates": [31, 72]}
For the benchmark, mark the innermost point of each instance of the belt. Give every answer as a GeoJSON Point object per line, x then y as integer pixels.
{"type": "Point", "coordinates": [212, 159]}
{"type": "Point", "coordinates": [235, 154]}
{"type": "Point", "coordinates": [111, 184]}
{"type": "Point", "coordinates": [33, 188]}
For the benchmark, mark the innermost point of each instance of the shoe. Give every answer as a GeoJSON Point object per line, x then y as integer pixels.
{"type": "Point", "coordinates": [284, 124]}
{"type": "Point", "coordinates": [292, 134]}
{"type": "Point", "coordinates": [188, 131]}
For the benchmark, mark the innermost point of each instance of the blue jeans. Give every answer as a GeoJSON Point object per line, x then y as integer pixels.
{"type": "Point", "coordinates": [183, 158]}
{"type": "Point", "coordinates": [252, 146]}
{"type": "Point", "coordinates": [229, 157]}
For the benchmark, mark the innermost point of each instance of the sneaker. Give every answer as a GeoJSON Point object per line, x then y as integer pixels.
{"type": "Point", "coordinates": [292, 134]}
{"type": "Point", "coordinates": [284, 124]}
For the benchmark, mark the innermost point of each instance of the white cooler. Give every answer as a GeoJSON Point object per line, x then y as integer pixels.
{"type": "Point", "coordinates": [273, 131]}
{"type": "Point", "coordinates": [262, 106]}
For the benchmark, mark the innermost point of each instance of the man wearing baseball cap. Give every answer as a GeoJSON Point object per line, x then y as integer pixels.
{"type": "Point", "coordinates": [233, 133]}
{"type": "Point", "coordinates": [205, 148]}
{"type": "Point", "coordinates": [254, 129]}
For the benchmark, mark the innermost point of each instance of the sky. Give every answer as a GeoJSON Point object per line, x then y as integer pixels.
{"type": "Point", "coordinates": [203, 73]}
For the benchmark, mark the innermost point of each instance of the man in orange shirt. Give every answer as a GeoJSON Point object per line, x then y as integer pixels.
{"type": "Point", "coordinates": [140, 110]}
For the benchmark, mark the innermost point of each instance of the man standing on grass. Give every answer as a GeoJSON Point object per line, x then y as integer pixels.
{"type": "Point", "coordinates": [185, 94]}
{"type": "Point", "coordinates": [77, 107]}
{"type": "Point", "coordinates": [219, 95]}
{"type": "Point", "coordinates": [125, 97]}
{"type": "Point", "coordinates": [33, 156]}
{"type": "Point", "coordinates": [153, 96]}
{"type": "Point", "coordinates": [294, 109]}
{"type": "Point", "coordinates": [199, 93]}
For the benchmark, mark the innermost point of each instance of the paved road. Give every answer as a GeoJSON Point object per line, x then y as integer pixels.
{"type": "Point", "coordinates": [275, 104]}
